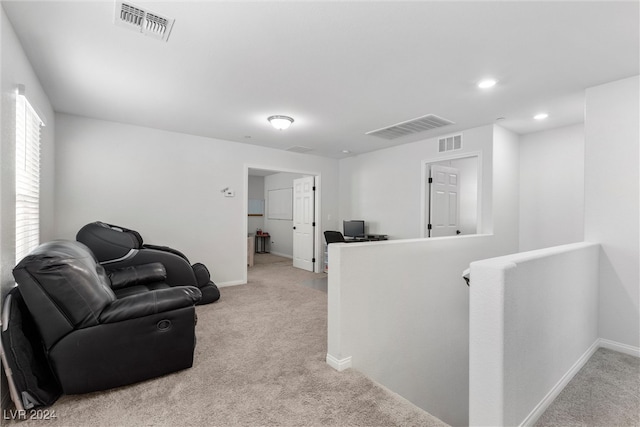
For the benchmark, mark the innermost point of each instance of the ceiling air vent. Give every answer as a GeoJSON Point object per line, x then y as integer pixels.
{"type": "Point", "coordinates": [299, 149]}
{"type": "Point", "coordinates": [143, 21]}
{"type": "Point", "coordinates": [410, 127]}
{"type": "Point", "coordinates": [450, 143]}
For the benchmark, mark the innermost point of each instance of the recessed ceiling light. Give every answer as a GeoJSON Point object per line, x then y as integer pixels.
{"type": "Point", "coordinates": [487, 83]}
{"type": "Point", "coordinates": [541, 116]}
{"type": "Point", "coordinates": [346, 151]}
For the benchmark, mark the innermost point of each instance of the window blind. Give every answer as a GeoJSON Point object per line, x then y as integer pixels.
{"type": "Point", "coordinates": [28, 126]}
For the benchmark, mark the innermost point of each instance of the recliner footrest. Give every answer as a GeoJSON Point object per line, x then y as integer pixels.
{"type": "Point", "coordinates": [203, 277]}
{"type": "Point", "coordinates": [210, 293]}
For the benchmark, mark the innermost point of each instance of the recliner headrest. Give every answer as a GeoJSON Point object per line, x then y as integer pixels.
{"type": "Point", "coordinates": [107, 241]}
{"type": "Point", "coordinates": [119, 229]}
{"type": "Point", "coordinates": [63, 286]}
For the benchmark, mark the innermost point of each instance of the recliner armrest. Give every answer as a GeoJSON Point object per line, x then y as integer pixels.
{"type": "Point", "coordinates": [179, 271]}
{"type": "Point", "coordinates": [137, 275]}
{"type": "Point", "coordinates": [148, 303]}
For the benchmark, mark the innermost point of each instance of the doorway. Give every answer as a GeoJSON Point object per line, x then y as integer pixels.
{"type": "Point", "coordinates": [303, 222]}
{"type": "Point", "coordinates": [451, 196]}
{"type": "Point", "coordinates": [444, 201]}
{"type": "Point", "coordinates": [272, 191]}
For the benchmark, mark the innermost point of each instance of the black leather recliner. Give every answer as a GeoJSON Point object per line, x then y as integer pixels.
{"type": "Point", "coordinates": [116, 247]}
{"type": "Point", "coordinates": [94, 340]}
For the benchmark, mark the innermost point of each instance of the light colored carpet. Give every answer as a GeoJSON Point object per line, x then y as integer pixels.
{"type": "Point", "coordinates": [269, 258]}
{"type": "Point", "coordinates": [606, 392]}
{"type": "Point", "coordinates": [260, 361]}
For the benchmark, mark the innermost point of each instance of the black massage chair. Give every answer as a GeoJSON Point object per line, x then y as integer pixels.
{"type": "Point", "coordinates": [91, 338]}
{"type": "Point", "coordinates": [118, 247]}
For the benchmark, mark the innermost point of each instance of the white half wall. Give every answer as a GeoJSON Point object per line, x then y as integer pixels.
{"type": "Point", "coordinates": [167, 186]}
{"type": "Point", "coordinates": [533, 324]}
{"type": "Point", "coordinates": [399, 309]}
{"type": "Point", "coordinates": [399, 313]}
{"type": "Point", "coordinates": [552, 187]}
{"type": "Point", "coordinates": [612, 191]}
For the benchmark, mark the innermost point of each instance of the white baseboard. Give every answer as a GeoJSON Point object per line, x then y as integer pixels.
{"type": "Point", "coordinates": [339, 364]}
{"type": "Point", "coordinates": [230, 283]}
{"type": "Point", "coordinates": [555, 391]}
{"type": "Point", "coordinates": [560, 385]}
{"type": "Point", "coordinates": [619, 347]}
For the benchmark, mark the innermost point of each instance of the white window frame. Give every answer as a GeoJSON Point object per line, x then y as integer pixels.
{"type": "Point", "coordinates": [27, 175]}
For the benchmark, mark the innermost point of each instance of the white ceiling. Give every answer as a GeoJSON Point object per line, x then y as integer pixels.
{"type": "Point", "coordinates": [339, 68]}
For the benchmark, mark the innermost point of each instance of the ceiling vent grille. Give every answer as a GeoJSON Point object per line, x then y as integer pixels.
{"type": "Point", "coordinates": [299, 149]}
{"type": "Point", "coordinates": [410, 127]}
{"type": "Point", "coordinates": [450, 143]}
{"type": "Point", "coordinates": [141, 20]}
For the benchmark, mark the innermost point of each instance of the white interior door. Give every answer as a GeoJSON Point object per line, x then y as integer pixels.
{"type": "Point", "coordinates": [303, 222]}
{"type": "Point", "coordinates": [444, 201]}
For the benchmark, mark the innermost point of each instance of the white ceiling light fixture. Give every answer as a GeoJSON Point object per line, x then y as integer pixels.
{"type": "Point", "coordinates": [541, 116]}
{"type": "Point", "coordinates": [280, 122]}
{"type": "Point", "coordinates": [487, 83]}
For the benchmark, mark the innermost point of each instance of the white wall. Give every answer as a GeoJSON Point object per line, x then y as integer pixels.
{"type": "Point", "coordinates": [168, 186]}
{"type": "Point", "coordinates": [552, 187]}
{"type": "Point", "coordinates": [385, 187]}
{"type": "Point", "coordinates": [533, 324]}
{"type": "Point", "coordinates": [612, 206]}
{"type": "Point", "coordinates": [16, 69]}
{"type": "Point", "coordinates": [280, 230]}
{"type": "Point", "coordinates": [505, 174]}
{"type": "Point", "coordinates": [398, 310]}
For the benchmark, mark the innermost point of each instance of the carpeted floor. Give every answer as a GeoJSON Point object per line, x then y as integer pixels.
{"type": "Point", "coordinates": [260, 361]}
{"type": "Point", "coordinates": [606, 392]}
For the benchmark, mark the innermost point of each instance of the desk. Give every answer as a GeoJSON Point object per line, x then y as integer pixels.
{"type": "Point", "coordinates": [376, 237]}
{"type": "Point", "coordinates": [261, 243]}
{"type": "Point", "coordinates": [368, 238]}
